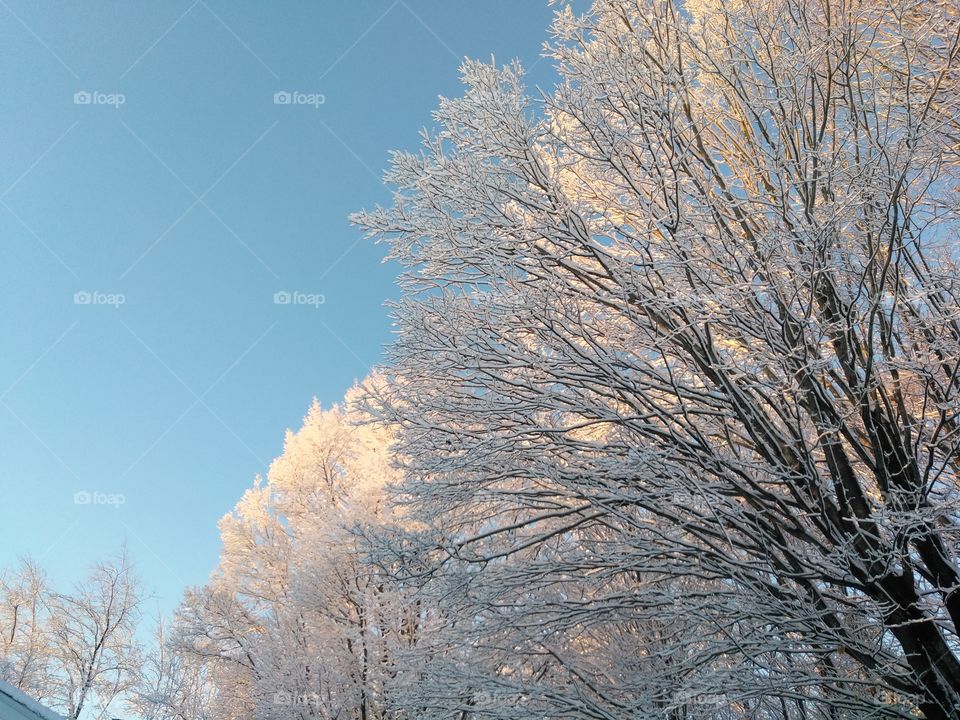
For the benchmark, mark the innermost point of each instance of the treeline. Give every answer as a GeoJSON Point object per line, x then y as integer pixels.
{"type": "Point", "coordinates": [76, 651]}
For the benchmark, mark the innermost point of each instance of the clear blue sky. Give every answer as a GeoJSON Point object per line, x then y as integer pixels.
{"type": "Point", "coordinates": [196, 200]}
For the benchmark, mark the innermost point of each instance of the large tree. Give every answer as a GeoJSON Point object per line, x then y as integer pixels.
{"type": "Point", "coordinates": [94, 653]}
{"type": "Point", "coordinates": [294, 623]}
{"type": "Point", "coordinates": [678, 364]}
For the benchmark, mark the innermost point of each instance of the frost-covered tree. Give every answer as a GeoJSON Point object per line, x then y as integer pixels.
{"type": "Point", "coordinates": [94, 653]}
{"type": "Point", "coordinates": [678, 364]}
{"type": "Point", "coordinates": [293, 613]}
{"type": "Point", "coordinates": [173, 684]}
{"type": "Point", "coordinates": [24, 643]}
{"type": "Point", "coordinates": [75, 651]}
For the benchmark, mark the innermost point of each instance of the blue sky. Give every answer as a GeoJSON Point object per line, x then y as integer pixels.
{"type": "Point", "coordinates": [147, 225]}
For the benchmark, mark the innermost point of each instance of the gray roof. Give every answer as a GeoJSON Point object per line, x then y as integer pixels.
{"type": "Point", "coordinates": [17, 705]}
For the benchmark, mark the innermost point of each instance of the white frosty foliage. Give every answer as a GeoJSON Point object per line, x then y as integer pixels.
{"type": "Point", "coordinates": [677, 369]}
{"type": "Point", "coordinates": [293, 623]}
